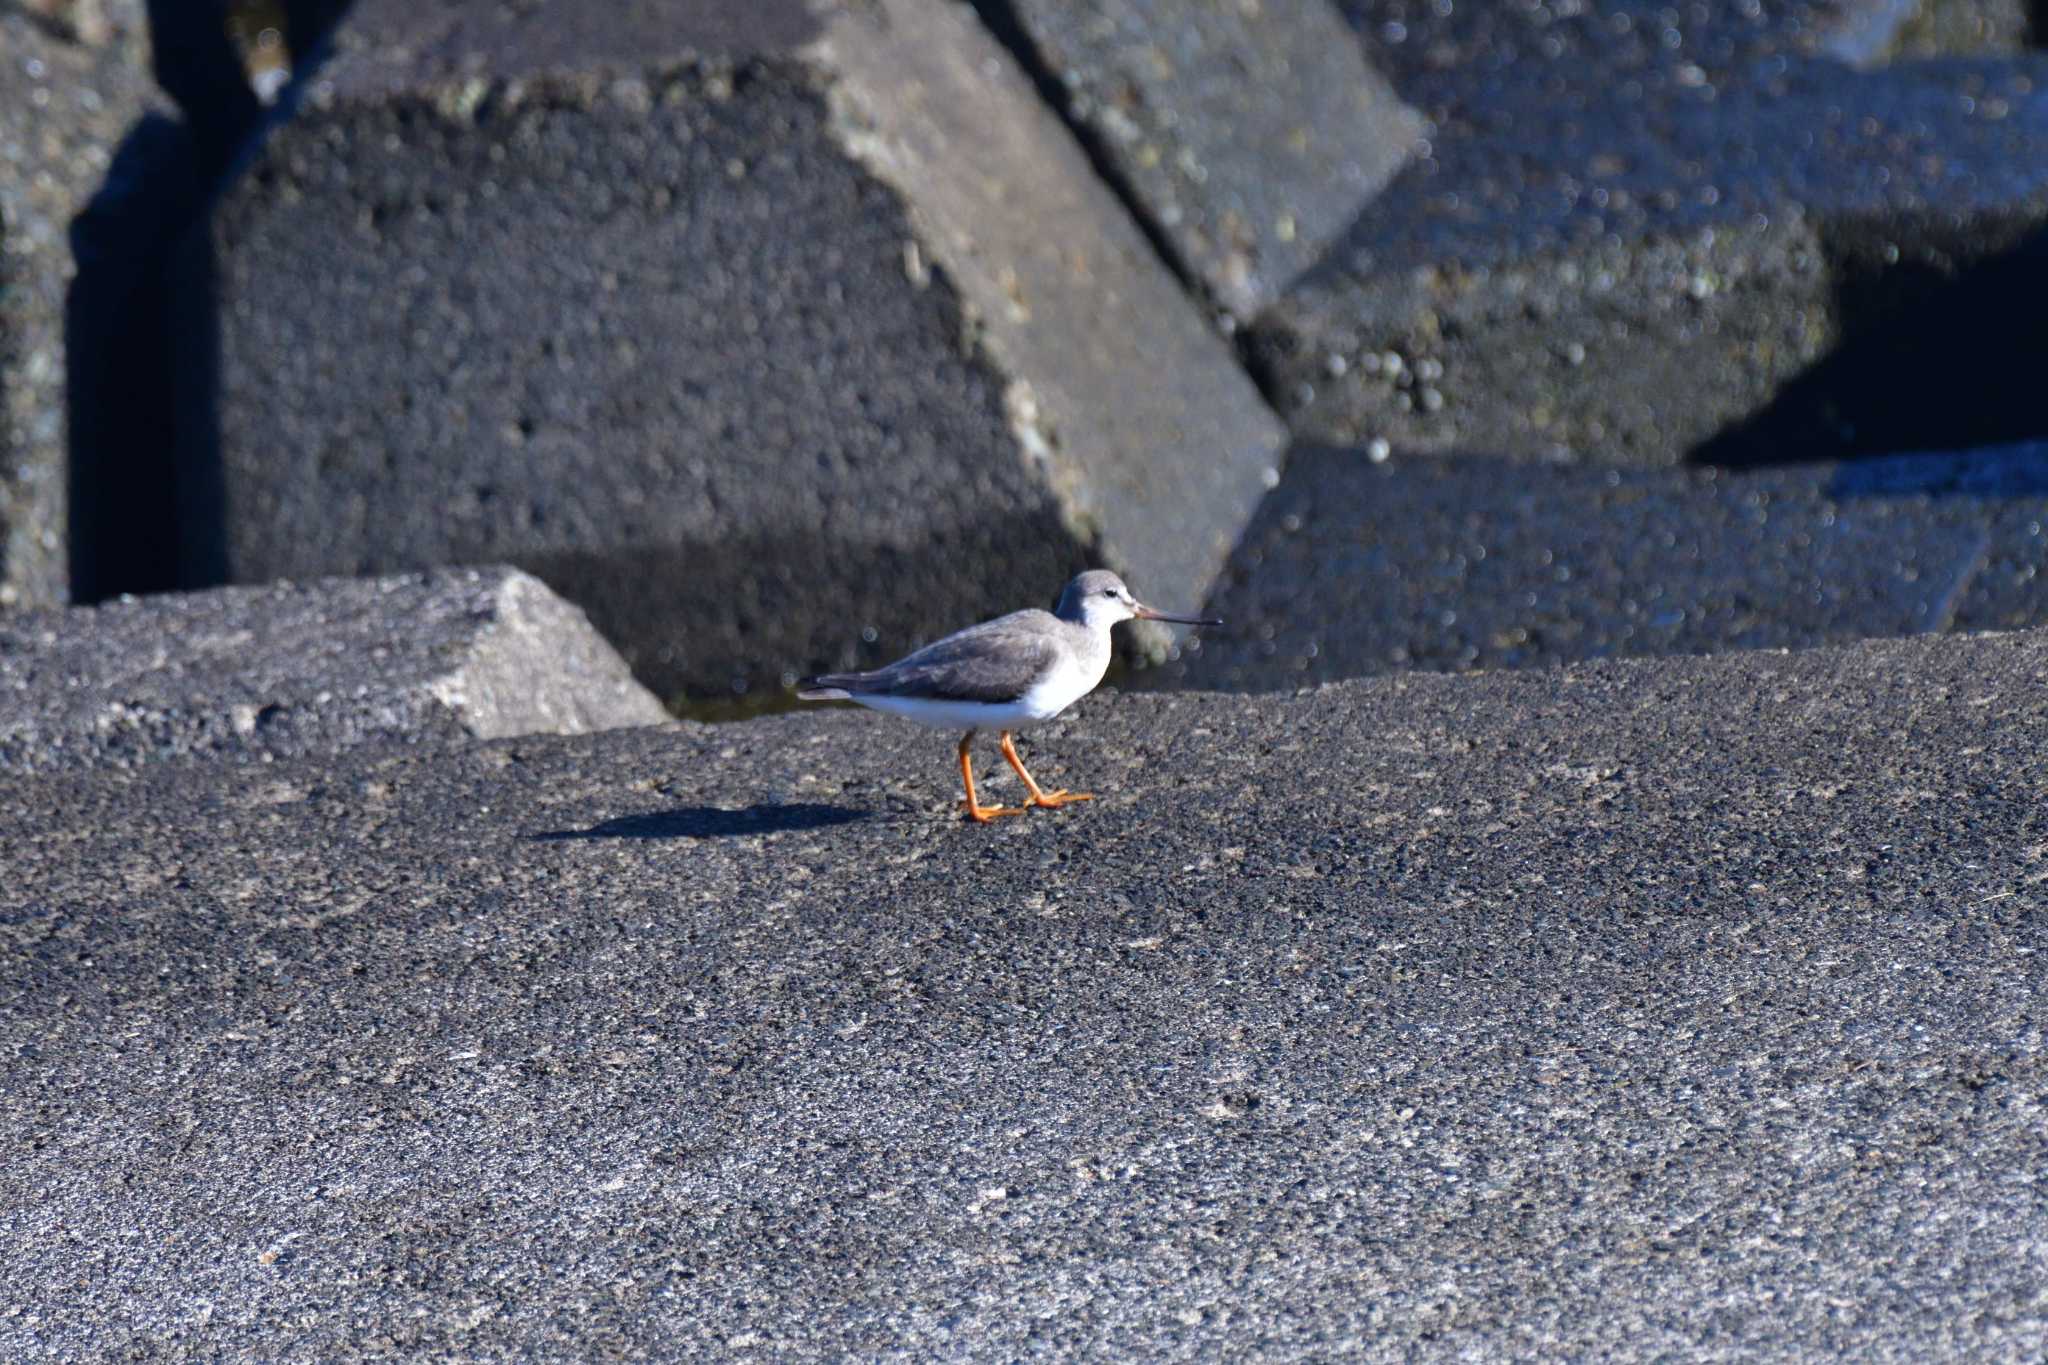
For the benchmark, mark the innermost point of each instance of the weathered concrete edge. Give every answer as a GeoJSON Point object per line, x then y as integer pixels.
{"type": "Point", "coordinates": [492, 692]}
{"type": "Point", "coordinates": [1237, 277]}
{"type": "Point", "coordinates": [901, 94]}
{"type": "Point", "coordinates": [528, 662]}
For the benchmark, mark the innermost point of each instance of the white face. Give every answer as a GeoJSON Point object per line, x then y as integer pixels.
{"type": "Point", "coordinates": [1109, 604]}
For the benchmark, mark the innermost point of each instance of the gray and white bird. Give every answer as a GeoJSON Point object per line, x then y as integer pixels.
{"type": "Point", "coordinates": [1004, 675]}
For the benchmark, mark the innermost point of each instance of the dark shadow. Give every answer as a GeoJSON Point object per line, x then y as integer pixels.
{"type": "Point", "coordinates": [196, 58]}
{"type": "Point", "coordinates": [2015, 472]}
{"type": "Point", "coordinates": [713, 822]}
{"type": "Point", "coordinates": [1934, 357]}
{"type": "Point", "coordinates": [119, 389]}
{"type": "Point", "coordinates": [139, 326]}
{"type": "Point", "coordinates": [199, 503]}
{"type": "Point", "coordinates": [195, 62]}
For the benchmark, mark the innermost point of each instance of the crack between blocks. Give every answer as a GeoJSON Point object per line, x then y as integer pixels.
{"type": "Point", "coordinates": [1000, 18]}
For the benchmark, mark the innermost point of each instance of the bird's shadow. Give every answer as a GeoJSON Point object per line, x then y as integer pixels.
{"type": "Point", "coordinates": [713, 822]}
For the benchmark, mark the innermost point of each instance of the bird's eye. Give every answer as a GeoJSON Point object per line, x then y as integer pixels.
{"type": "Point", "coordinates": [1109, 592]}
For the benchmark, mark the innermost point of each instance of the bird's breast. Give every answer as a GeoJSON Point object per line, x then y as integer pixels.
{"type": "Point", "coordinates": [1073, 678]}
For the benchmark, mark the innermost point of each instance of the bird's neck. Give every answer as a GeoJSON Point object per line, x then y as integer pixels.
{"type": "Point", "coordinates": [1095, 647]}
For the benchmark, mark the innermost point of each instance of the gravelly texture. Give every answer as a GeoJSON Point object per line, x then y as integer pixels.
{"type": "Point", "coordinates": [715, 321]}
{"type": "Point", "coordinates": [1677, 1008]}
{"type": "Point", "coordinates": [1353, 568]}
{"type": "Point", "coordinates": [1630, 231]}
{"type": "Point", "coordinates": [264, 673]}
{"type": "Point", "coordinates": [65, 104]}
{"type": "Point", "coordinates": [1249, 135]}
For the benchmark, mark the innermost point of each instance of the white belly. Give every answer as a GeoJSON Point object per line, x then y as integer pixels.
{"type": "Point", "coordinates": [1046, 698]}
{"type": "Point", "coordinates": [955, 715]}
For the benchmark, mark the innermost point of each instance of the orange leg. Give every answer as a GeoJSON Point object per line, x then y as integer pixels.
{"type": "Point", "coordinates": [1040, 798]}
{"type": "Point", "coordinates": [975, 810]}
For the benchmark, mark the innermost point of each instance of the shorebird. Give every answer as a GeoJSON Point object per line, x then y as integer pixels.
{"type": "Point", "coordinates": [1003, 675]}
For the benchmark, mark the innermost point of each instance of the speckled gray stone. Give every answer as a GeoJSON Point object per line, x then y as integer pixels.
{"type": "Point", "coordinates": [1679, 1009]}
{"type": "Point", "coordinates": [1250, 135]}
{"type": "Point", "coordinates": [776, 341]}
{"type": "Point", "coordinates": [1628, 238]}
{"type": "Point", "coordinates": [262, 673]}
{"type": "Point", "coordinates": [1354, 568]}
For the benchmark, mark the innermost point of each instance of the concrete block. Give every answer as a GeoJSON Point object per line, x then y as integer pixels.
{"type": "Point", "coordinates": [291, 669]}
{"type": "Point", "coordinates": [1355, 568]}
{"type": "Point", "coordinates": [1250, 136]}
{"type": "Point", "coordinates": [1625, 264]}
{"type": "Point", "coordinates": [1676, 1009]}
{"type": "Point", "coordinates": [775, 340]}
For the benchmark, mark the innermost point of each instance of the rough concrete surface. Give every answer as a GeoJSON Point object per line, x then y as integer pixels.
{"type": "Point", "coordinates": [1417, 42]}
{"type": "Point", "coordinates": [1353, 568]}
{"type": "Point", "coordinates": [262, 673]}
{"type": "Point", "coordinates": [1249, 135]}
{"type": "Point", "coordinates": [729, 324]}
{"type": "Point", "coordinates": [71, 83]}
{"type": "Point", "coordinates": [1626, 238]}
{"type": "Point", "coordinates": [1681, 1008]}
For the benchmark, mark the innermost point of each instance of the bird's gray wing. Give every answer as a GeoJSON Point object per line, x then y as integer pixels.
{"type": "Point", "coordinates": [996, 661]}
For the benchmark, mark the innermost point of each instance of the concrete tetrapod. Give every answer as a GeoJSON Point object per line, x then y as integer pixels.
{"type": "Point", "coordinates": [1686, 1006]}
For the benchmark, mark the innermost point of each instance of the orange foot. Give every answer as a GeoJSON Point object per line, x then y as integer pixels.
{"type": "Point", "coordinates": [983, 814]}
{"type": "Point", "coordinates": [977, 812]}
{"type": "Point", "coordinates": [1049, 800]}
{"type": "Point", "coordinates": [1054, 800]}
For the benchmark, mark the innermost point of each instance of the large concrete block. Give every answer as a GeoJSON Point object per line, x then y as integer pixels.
{"type": "Point", "coordinates": [1683, 1009]}
{"type": "Point", "coordinates": [1355, 568]}
{"type": "Point", "coordinates": [262, 673]}
{"type": "Point", "coordinates": [774, 340]}
{"type": "Point", "coordinates": [1250, 135]}
{"type": "Point", "coordinates": [72, 80]}
{"type": "Point", "coordinates": [1623, 256]}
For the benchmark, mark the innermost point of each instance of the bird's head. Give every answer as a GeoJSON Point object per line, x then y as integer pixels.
{"type": "Point", "coordinates": [1098, 599]}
